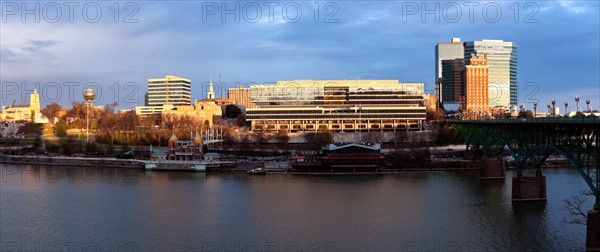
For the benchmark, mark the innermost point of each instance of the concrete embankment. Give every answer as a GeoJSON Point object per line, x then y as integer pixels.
{"type": "Point", "coordinates": [73, 161]}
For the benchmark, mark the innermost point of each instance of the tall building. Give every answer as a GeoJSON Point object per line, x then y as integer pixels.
{"type": "Point", "coordinates": [337, 105]}
{"type": "Point", "coordinates": [165, 94]}
{"type": "Point", "coordinates": [445, 51]}
{"type": "Point", "coordinates": [240, 96]}
{"type": "Point", "coordinates": [475, 102]}
{"type": "Point", "coordinates": [502, 64]}
{"type": "Point", "coordinates": [171, 90]}
{"type": "Point", "coordinates": [452, 79]}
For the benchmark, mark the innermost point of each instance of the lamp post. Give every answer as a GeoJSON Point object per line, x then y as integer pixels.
{"type": "Point", "coordinates": [89, 95]}
{"type": "Point", "coordinates": [534, 109]}
{"type": "Point", "coordinates": [576, 104]}
{"type": "Point", "coordinates": [548, 114]}
{"type": "Point", "coordinates": [553, 107]}
{"type": "Point", "coordinates": [566, 109]}
{"type": "Point", "coordinates": [587, 102]}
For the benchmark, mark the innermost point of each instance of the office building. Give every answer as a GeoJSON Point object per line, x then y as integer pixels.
{"type": "Point", "coordinates": [475, 103]}
{"type": "Point", "coordinates": [337, 105]}
{"type": "Point", "coordinates": [446, 51]}
{"type": "Point", "coordinates": [452, 81]}
{"type": "Point", "coordinates": [172, 90]}
{"type": "Point", "coordinates": [502, 64]}
{"type": "Point", "coordinates": [165, 94]}
{"type": "Point", "coordinates": [240, 96]}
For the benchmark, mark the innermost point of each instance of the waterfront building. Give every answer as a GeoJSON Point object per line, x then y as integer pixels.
{"type": "Point", "coordinates": [502, 65]}
{"type": "Point", "coordinates": [475, 94]}
{"type": "Point", "coordinates": [337, 105]}
{"type": "Point", "coordinates": [24, 112]}
{"type": "Point", "coordinates": [184, 150]}
{"type": "Point", "coordinates": [446, 51]}
{"type": "Point", "coordinates": [240, 96]}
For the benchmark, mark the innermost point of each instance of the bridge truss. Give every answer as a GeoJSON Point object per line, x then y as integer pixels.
{"type": "Point", "coordinates": [531, 141]}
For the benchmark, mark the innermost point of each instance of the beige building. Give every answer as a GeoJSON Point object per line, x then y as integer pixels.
{"type": "Point", "coordinates": [337, 105]}
{"type": "Point", "coordinates": [24, 112]}
{"type": "Point", "coordinates": [203, 111]}
{"type": "Point", "coordinates": [240, 96]}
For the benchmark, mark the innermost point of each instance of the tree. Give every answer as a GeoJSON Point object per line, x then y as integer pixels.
{"type": "Point", "coordinates": [51, 111]}
{"type": "Point", "coordinates": [372, 137]}
{"type": "Point", "coordinates": [526, 114]}
{"type": "Point", "coordinates": [261, 135]}
{"type": "Point", "coordinates": [60, 128]}
{"type": "Point", "coordinates": [232, 111]}
{"type": "Point", "coordinates": [30, 129]}
{"type": "Point", "coordinates": [576, 209]}
{"type": "Point", "coordinates": [282, 136]}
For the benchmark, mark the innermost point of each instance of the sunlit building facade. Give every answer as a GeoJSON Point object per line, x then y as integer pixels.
{"type": "Point", "coordinates": [240, 96]}
{"type": "Point", "coordinates": [475, 102]}
{"type": "Point", "coordinates": [502, 64]}
{"type": "Point", "coordinates": [337, 105]}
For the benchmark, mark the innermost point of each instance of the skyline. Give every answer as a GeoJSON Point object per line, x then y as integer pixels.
{"type": "Point", "coordinates": [381, 40]}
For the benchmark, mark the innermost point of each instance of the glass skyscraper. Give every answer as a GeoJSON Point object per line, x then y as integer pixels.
{"type": "Point", "coordinates": [502, 63]}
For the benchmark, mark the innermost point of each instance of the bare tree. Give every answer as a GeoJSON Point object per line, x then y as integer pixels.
{"type": "Point", "coordinates": [575, 207]}
{"type": "Point", "coordinates": [372, 137]}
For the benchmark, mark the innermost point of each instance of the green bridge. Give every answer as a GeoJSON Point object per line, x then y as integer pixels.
{"type": "Point", "coordinates": [532, 140]}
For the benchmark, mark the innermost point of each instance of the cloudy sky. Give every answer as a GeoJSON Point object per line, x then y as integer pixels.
{"type": "Point", "coordinates": [75, 45]}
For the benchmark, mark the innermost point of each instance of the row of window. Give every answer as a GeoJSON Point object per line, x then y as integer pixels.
{"type": "Point", "coordinates": [336, 117]}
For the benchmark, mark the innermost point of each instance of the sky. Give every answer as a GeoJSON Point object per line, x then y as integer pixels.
{"type": "Point", "coordinates": [61, 48]}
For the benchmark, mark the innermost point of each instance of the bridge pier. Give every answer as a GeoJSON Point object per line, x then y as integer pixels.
{"type": "Point", "coordinates": [592, 241]}
{"type": "Point", "coordinates": [528, 188]}
{"type": "Point", "coordinates": [491, 168]}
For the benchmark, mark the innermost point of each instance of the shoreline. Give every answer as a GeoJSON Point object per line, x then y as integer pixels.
{"type": "Point", "coordinates": [272, 166]}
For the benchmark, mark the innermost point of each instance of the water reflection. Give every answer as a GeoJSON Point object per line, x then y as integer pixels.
{"type": "Point", "coordinates": [159, 211]}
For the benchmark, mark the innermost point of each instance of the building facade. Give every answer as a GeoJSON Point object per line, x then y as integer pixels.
{"type": "Point", "coordinates": [452, 80]}
{"type": "Point", "coordinates": [240, 96]}
{"type": "Point", "coordinates": [337, 105]}
{"type": "Point", "coordinates": [184, 150]}
{"type": "Point", "coordinates": [165, 94]}
{"type": "Point", "coordinates": [445, 51]}
{"type": "Point", "coordinates": [24, 112]}
{"type": "Point", "coordinates": [475, 101]}
{"type": "Point", "coordinates": [205, 111]}
{"type": "Point", "coordinates": [502, 64]}
{"type": "Point", "coordinates": [169, 90]}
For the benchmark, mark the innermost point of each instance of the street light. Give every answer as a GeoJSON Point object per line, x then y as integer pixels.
{"type": "Point", "coordinates": [534, 108]}
{"type": "Point", "coordinates": [566, 109]}
{"type": "Point", "coordinates": [548, 114]}
{"type": "Point", "coordinates": [553, 107]}
{"type": "Point", "coordinates": [587, 102]}
{"type": "Point", "coordinates": [89, 95]}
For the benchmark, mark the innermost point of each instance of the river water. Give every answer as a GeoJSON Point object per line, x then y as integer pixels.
{"type": "Point", "coordinates": [93, 209]}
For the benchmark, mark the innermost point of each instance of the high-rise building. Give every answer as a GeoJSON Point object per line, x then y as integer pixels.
{"type": "Point", "coordinates": [445, 51]}
{"type": "Point", "coordinates": [502, 64]}
{"type": "Point", "coordinates": [475, 102]}
{"type": "Point", "coordinates": [164, 94]}
{"type": "Point", "coordinates": [171, 90]}
{"type": "Point", "coordinates": [452, 79]}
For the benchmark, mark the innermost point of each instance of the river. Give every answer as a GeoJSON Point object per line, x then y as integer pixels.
{"type": "Point", "coordinates": [94, 209]}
